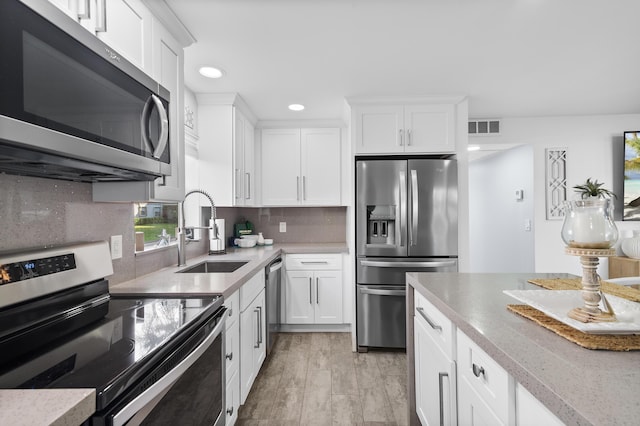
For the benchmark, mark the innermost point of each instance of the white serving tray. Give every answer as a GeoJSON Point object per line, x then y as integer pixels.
{"type": "Point", "coordinates": [558, 303]}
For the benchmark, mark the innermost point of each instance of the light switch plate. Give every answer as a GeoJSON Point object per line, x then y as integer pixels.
{"type": "Point", "coordinates": [116, 247]}
{"type": "Point", "coordinates": [283, 226]}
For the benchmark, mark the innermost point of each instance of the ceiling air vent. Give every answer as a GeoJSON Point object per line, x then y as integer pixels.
{"type": "Point", "coordinates": [484, 127]}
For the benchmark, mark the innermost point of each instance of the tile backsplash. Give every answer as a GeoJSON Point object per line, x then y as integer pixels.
{"type": "Point", "coordinates": [38, 213]}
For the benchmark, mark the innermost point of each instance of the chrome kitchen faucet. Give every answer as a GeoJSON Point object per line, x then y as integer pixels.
{"type": "Point", "coordinates": [216, 241]}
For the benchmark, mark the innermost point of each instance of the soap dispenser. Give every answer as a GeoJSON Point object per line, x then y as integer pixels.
{"type": "Point", "coordinates": [260, 239]}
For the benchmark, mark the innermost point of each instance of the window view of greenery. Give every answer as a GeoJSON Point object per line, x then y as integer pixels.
{"type": "Point", "coordinates": [152, 218]}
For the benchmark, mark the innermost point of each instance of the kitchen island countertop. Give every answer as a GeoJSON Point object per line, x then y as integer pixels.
{"type": "Point", "coordinates": [56, 407]}
{"type": "Point", "coordinates": [580, 386]}
{"type": "Point", "coordinates": [168, 282]}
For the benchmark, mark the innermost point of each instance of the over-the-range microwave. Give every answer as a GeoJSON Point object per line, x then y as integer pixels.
{"type": "Point", "coordinates": [71, 107]}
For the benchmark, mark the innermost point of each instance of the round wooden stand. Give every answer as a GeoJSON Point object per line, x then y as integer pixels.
{"type": "Point", "coordinates": [591, 294]}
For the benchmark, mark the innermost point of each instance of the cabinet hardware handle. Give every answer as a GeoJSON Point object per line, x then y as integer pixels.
{"type": "Point", "coordinates": [247, 196]}
{"type": "Point", "coordinates": [477, 370]}
{"type": "Point", "coordinates": [230, 411]}
{"type": "Point", "coordinates": [257, 345]}
{"type": "Point", "coordinates": [441, 393]}
{"type": "Point", "coordinates": [400, 137]}
{"type": "Point", "coordinates": [427, 319]}
{"type": "Point", "coordinates": [101, 16]}
{"type": "Point", "coordinates": [259, 325]}
{"type": "Point", "coordinates": [297, 188]}
{"type": "Point", "coordinates": [84, 10]}
{"type": "Point", "coordinates": [309, 262]}
{"type": "Point", "coordinates": [408, 137]}
{"type": "Point", "coordinates": [310, 284]}
{"type": "Point", "coordinates": [317, 290]}
{"type": "Point", "coordinates": [230, 312]}
{"type": "Point", "coordinates": [229, 356]}
{"type": "Point", "coordinates": [304, 186]}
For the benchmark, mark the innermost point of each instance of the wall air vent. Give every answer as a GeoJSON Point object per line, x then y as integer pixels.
{"type": "Point", "coordinates": [484, 127]}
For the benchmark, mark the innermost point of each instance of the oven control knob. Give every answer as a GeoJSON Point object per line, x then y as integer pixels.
{"type": "Point", "coordinates": [229, 356]}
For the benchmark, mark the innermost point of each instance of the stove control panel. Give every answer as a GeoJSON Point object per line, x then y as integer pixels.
{"type": "Point", "coordinates": [27, 269]}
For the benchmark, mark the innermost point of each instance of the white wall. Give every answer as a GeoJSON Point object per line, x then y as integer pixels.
{"type": "Point", "coordinates": [590, 142]}
{"type": "Point", "coordinates": [498, 239]}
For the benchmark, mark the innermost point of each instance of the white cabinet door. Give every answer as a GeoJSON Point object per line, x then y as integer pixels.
{"type": "Point", "coordinates": [328, 297]}
{"type": "Point", "coordinates": [233, 399]}
{"type": "Point", "coordinates": [249, 183]}
{"type": "Point", "coordinates": [252, 343]}
{"type": "Point", "coordinates": [125, 25]}
{"type": "Point", "coordinates": [321, 166]}
{"type": "Point", "coordinates": [168, 69]}
{"type": "Point", "coordinates": [299, 297]}
{"type": "Point", "coordinates": [429, 128]}
{"type": "Point", "coordinates": [238, 158]}
{"type": "Point", "coordinates": [531, 412]}
{"type": "Point", "coordinates": [435, 380]}
{"type": "Point", "coordinates": [232, 350]}
{"type": "Point", "coordinates": [472, 409]}
{"type": "Point", "coordinates": [379, 129]}
{"type": "Point", "coordinates": [280, 167]}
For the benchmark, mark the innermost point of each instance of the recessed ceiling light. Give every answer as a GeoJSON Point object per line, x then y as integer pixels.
{"type": "Point", "coordinates": [296, 107]}
{"type": "Point", "coordinates": [210, 72]}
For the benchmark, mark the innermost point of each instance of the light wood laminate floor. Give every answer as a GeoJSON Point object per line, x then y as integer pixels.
{"type": "Point", "coordinates": [315, 379]}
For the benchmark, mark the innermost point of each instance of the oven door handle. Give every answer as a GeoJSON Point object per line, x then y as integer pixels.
{"type": "Point", "coordinates": [123, 416]}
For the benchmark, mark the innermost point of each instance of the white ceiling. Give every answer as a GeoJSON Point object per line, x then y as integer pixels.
{"type": "Point", "coordinates": [511, 57]}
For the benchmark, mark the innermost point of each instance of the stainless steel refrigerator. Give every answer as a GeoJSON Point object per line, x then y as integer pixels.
{"type": "Point", "coordinates": [406, 221]}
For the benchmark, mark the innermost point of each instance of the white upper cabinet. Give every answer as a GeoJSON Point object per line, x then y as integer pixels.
{"type": "Point", "coordinates": [226, 149]}
{"type": "Point", "coordinates": [301, 167]}
{"type": "Point", "coordinates": [400, 128]}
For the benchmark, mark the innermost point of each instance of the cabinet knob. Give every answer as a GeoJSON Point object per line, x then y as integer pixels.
{"type": "Point", "coordinates": [477, 370]}
{"type": "Point", "coordinates": [230, 411]}
{"type": "Point", "coordinates": [229, 356]}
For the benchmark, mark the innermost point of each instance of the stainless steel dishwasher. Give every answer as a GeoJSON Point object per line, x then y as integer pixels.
{"type": "Point", "coordinates": [273, 273]}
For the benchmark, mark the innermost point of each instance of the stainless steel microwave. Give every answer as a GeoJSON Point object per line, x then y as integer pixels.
{"type": "Point", "coordinates": [71, 107]}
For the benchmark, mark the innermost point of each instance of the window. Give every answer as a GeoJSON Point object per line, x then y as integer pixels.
{"type": "Point", "coordinates": [164, 216]}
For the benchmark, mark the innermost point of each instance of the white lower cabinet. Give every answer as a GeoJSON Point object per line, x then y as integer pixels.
{"type": "Point", "coordinates": [252, 332]}
{"type": "Point", "coordinates": [313, 289]}
{"type": "Point", "coordinates": [232, 358]}
{"type": "Point", "coordinates": [531, 412]}
{"type": "Point", "coordinates": [456, 382]}
{"type": "Point", "coordinates": [435, 379]}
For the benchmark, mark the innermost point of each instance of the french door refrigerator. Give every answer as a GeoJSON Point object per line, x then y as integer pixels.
{"type": "Point", "coordinates": [406, 221]}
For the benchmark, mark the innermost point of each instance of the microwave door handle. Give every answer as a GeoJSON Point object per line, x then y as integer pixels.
{"type": "Point", "coordinates": [413, 233]}
{"type": "Point", "coordinates": [164, 126]}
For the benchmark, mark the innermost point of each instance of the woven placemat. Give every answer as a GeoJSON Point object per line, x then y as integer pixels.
{"type": "Point", "coordinates": [610, 342]}
{"type": "Point", "coordinates": [625, 292]}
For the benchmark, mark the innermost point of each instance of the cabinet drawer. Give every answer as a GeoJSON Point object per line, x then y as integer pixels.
{"type": "Point", "coordinates": [492, 383]}
{"type": "Point", "coordinates": [233, 399]}
{"type": "Point", "coordinates": [232, 350]}
{"type": "Point", "coordinates": [314, 262]}
{"type": "Point", "coordinates": [251, 289]}
{"type": "Point", "coordinates": [439, 327]}
{"type": "Point", "coordinates": [232, 303]}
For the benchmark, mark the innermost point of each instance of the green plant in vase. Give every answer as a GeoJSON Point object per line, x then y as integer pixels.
{"type": "Point", "coordinates": [588, 221]}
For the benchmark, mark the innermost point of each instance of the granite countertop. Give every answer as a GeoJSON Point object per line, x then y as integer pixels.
{"type": "Point", "coordinates": [57, 407]}
{"type": "Point", "coordinates": [167, 282]}
{"type": "Point", "coordinates": [580, 386]}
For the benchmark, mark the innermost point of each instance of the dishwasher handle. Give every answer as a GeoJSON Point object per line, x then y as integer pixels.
{"type": "Point", "coordinates": [275, 266]}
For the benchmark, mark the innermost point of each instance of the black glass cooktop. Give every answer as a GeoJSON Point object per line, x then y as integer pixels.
{"type": "Point", "coordinates": [115, 351]}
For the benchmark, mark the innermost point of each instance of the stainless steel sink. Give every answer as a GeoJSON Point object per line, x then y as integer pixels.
{"type": "Point", "coordinates": [209, 267]}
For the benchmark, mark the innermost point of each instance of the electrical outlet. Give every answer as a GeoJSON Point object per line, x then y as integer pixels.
{"type": "Point", "coordinates": [283, 226]}
{"type": "Point", "coordinates": [116, 247]}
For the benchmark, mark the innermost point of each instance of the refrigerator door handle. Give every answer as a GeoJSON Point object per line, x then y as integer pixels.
{"type": "Point", "coordinates": [382, 264]}
{"type": "Point", "coordinates": [401, 224]}
{"type": "Point", "coordinates": [413, 234]}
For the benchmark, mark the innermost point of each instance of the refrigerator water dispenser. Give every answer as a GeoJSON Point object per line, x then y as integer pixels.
{"type": "Point", "coordinates": [381, 225]}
